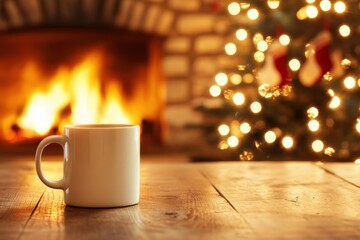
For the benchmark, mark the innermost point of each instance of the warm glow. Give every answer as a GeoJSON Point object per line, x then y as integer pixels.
{"type": "Point", "coordinates": [224, 129]}
{"type": "Point", "coordinates": [230, 48]}
{"type": "Point", "coordinates": [273, 4]}
{"type": "Point", "coordinates": [312, 11]}
{"type": "Point", "coordinates": [317, 145]}
{"type": "Point", "coordinates": [344, 30]}
{"type": "Point", "coordinates": [79, 88]}
{"type": "Point", "coordinates": [241, 34]}
{"type": "Point", "coordinates": [245, 128]}
{"type": "Point", "coordinates": [301, 13]}
{"type": "Point", "coordinates": [259, 56]}
{"type": "Point", "coordinates": [284, 39]}
{"type": "Point", "coordinates": [234, 8]}
{"type": "Point", "coordinates": [313, 125]}
{"type": "Point", "coordinates": [339, 7]}
{"type": "Point", "coordinates": [325, 5]}
{"type": "Point", "coordinates": [357, 126]}
{"type": "Point", "coordinates": [270, 136]}
{"type": "Point", "coordinates": [349, 82]}
{"type": "Point", "coordinates": [239, 98]}
{"type": "Point", "coordinates": [312, 112]}
{"type": "Point", "coordinates": [287, 142]}
{"type": "Point", "coordinates": [262, 46]}
{"type": "Point", "coordinates": [257, 38]}
{"type": "Point", "coordinates": [235, 79]}
{"type": "Point", "coordinates": [233, 141]}
{"type": "Point", "coordinates": [294, 64]}
{"type": "Point", "coordinates": [221, 79]}
{"type": "Point", "coordinates": [215, 90]}
{"type": "Point", "coordinates": [255, 107]}
{"type": "Point", "coordinates": [335, 102]}
{"type": "Point", "coordinates": [357, 161]}
{"type": "Point", "coordinates": [253, 14]}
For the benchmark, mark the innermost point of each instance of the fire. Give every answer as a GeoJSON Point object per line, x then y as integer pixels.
{"type": "Point", "coordinates": [74, 95]}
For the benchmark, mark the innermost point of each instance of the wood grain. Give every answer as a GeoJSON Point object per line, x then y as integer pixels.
{"type": "Point", "coordinates": [349, 172]}
{"type": "Point", "coordinates": [177, 202]}
{"type": "Point", "coordinates": [225, 200]}
{"type": "Point", "coordinates": [289, 200]}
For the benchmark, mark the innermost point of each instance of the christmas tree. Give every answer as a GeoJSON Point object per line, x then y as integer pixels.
{"type": "Point", "coordinates": [294, 90]}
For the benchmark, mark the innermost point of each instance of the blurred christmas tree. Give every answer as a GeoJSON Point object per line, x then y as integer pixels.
{"type": "Point", "coordinates": [294, 91]}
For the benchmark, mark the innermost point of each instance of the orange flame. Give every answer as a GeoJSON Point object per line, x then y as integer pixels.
{"type": "Point", "coordinates": [79, 90]}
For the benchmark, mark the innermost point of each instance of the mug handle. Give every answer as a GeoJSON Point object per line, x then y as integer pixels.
{"type": "Point", "coordinates": [59, 139]}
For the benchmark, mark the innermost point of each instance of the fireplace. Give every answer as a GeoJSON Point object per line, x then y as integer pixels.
{"type": "Point", "coordinates": [54, 77]}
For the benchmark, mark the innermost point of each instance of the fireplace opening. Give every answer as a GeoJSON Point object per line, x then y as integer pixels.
{"type": "Point", "coordinates": [53, 77]}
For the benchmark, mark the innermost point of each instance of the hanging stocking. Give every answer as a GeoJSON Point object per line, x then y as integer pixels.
{"type": "Point", "coordinates": [318, 61]}
{"type": "Point", "coordinates": [275, 72]}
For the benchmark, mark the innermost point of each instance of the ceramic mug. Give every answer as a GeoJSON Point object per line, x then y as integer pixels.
{"type": "Point", "coordinates": [101, 164]}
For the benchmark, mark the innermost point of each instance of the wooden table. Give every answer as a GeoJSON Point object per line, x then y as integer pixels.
{"type": "Point", "coordinates": [224, 200]}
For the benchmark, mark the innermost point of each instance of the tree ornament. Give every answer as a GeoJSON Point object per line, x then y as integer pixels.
{"type": "Point", "coordinates": [275, 71]}
{"type": "Point", "coordinates": [318, 61]}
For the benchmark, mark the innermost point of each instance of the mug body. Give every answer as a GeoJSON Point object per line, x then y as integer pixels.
{"type": "Point", "coordinates": [102, 165]}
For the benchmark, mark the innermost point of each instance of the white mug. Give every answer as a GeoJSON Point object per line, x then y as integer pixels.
{"type": "Point", "coordinates": [101, 164]}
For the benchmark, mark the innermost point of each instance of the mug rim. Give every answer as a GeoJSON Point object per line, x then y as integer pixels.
{"type": "Point", "coordinates": [100, 126]}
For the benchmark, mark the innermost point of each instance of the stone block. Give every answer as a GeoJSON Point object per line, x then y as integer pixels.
{"type": "Point", "coordinates": [176, 65]}
{"type": "Point", "coordinates": [184, 5]}
{"type": "Point", "coordinates": [177, 91]}
{"type": "Point", "coordinates": [180, 115]}
{"type": "Point", "coordinates": [205, 65]}
{"type": "Point", "coordinates": [209, 44]}
{"type": "Point", "coordinates": [177, 45]}
{"type": "Point", "coordinates": [195, 23]}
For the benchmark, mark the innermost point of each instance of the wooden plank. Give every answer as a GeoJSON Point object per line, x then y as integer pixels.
{"type": "Point", "coordinates": [349, 172]}
{"type": "Point", "coordinates": [20, 192]}
{"type": "Point", "coordinates": [176, 202]}
{"type": "Point", "coordinates": [289, 200]}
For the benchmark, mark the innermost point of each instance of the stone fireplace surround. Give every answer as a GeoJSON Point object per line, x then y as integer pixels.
{"type": "Point", "coordinates": [192, 53]}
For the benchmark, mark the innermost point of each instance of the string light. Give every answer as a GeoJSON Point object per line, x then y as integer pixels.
{"type": "Point", "coordinates": [325, 5]}
{"type": "Point", "coordinates": [344, 30]}
{"type": "Point", "coordinates": [294, 64]}
{"type": "Point", "coordinates": [301, 13]}
{"type": "Point", "coordinates": [287, 142]}
{"type": "Point", "coordinates": [273, 4]}
{"type": "Point", "coordinates": [357, 161]}
{"type": "Point", "coordinates": [215, 91]}
{"type": "Point", "coordinates": [234, 8]}
{"type": "Point", "coordinates": [339, 7]}
{"type": "Point", "coordinates": [221, 79]}
{"type": "Point", "coordinates": [317, 145]}
{"type": "Point", "coordinates": [357, 126]}
{"type": "Point", "coordinates": [248, 78]}
{"type": "Point", "coordinates": [241, 34]}
{"type": "Point", "coordinates": [312, 112]}
{"type": "Point", "coordinates": [270, 136]}
{"type": "Point", "coordinates": [253, 14]}
{"type": "Point", "coordinates": [224, 129]}
{"type": "Point", "coordinates": [235, 79]}
{"type": "Point", "coordinates": [313, 125]}
{"type": "Point", "coordinates": [239, 98]}
{"type": "Point", "coordinates": [311, 11]}
{"type": "Point", "coordinates": [262, 46]}
{"type": "Point", "coordinates": [233, 141]}
{"type": "Point", "coordinates": [255, 107]}
{"type": "Point", "coordinates": [284, 39]}
{"type": "Point", "coordinates": [349, 82]}
{"type": "Point", "coordinates": [335, 102]}
{"type": "Point", "coordinates": [245, 128]}
{"type": "Point", "coordinates": [257, 38]}
{"type": "Point", "coordinates": [259, 56]}
{"type": "Point", "coordinates": [230, 48]}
